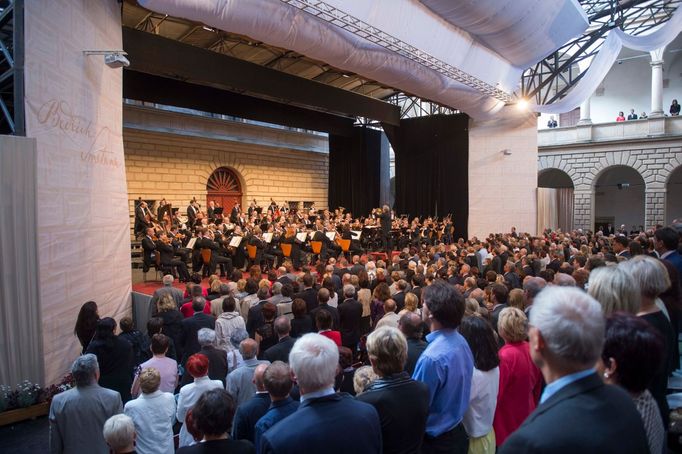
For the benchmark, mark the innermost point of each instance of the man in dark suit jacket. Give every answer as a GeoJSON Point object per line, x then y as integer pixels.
{"type": "Point", "coordinates": [350, 315]}
{"type": "Point", "coordinates": [667, 241]}
{"type": "Point", "coordinates": [255, 317]}
{"type": "Point", "coordinates": [280, 351]}
{"type": "Point", "coordinates": [357, 267]}
{"type": "Point", "coordinates": [577, 411]}
{"type": "Point", "coordinates": [148, 246]}
{"type": "Point", "coordinates": [309, 294]}
{"type": "Point", "coordinates": [399, 296]}
{"type": "Point", "coordinates": [141, 223]}
{"type": "Point", "coordinates": [412, 327]}
{"type": "Point", "coordinates": [192, 211]}
{"type": "Point", "coordinates": [314, 426]}
{"type": "Point", "coordinates": [323, 298]}
{"type": "Point", "coordinates": [217, 357]}
{"type": "Point", "coordinates": [252, 410]}
{"type": "Point", "coordinates": [192, 325]}
{"type": "Point", "coordinates": [234, 213]}
{"type": "Point", "coordinates": [167, 258]}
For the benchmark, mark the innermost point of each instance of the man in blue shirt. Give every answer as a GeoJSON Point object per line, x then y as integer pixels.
{"type": "Point", "coordinates": [277, 379]}
{"type": "Point", "coordinates": [446, 366]}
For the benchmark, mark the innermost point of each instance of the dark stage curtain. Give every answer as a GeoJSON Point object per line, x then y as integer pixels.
{"type": "Point", "coordinates": [432, 168]}
{"type": "Point", "coordinates": [354, 170]}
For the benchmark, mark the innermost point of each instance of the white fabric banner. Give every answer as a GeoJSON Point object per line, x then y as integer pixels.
{"type": "Point", "coordinates": [607, 56]}
{"type": "Point", "coordinates": [74, 110]}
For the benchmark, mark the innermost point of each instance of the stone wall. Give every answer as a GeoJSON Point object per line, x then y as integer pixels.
{"type": "Point", "coordinates": [172, 155]}
{"type": "Point", "coordinates": [654, 158]}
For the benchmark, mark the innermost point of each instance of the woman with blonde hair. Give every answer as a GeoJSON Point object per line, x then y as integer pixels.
{"type": "Point", "coordinates": [520, 379]}
{"type": "Point", "coordinates": [411, 303]}
{"type": "Point", "coordinates": [516, 298]}
{"type": "Point", "coordinates": [615, 290]}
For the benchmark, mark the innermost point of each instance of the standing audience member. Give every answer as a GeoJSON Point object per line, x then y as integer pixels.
{"type": "Point", "coordinates": [301, 323]}
{"type": "Point", "coordinates": [363, 377]}
{"type": "Point", "coordinates": [577, 412]}
{"type": "Point", "coordinates": [632, 353]}
{"type": "Point", "coordinates": [167, 367]}
{"type": "Point", "coordinates": [167, 289]}
{"type": "Point", "coordinates": [119, 433]}
{"type": "Point", "coordinates": [402, 403]}
{"type": "Point", "coordinates": [446, 366]}
{"type": "Point", "coordinates": [390, 318]}
{"type": "Point", "coordinates": [197, 367]}
{"type": "Point", "coordinates": [248, 413]}
{"type": "Point", "coordinates": [211, 420]}
{"type": "Point", "coordinates": [615, 290]}
{"type": "Point", "coordinates": [314, 427]}
{"type": "Point", "coordinates": [172, 325]}
{"type": "Point", "coordinates": [520, 379]}
{"type": "Point", "coordinates": [674, 108]}
{"type": "Point", "coordinates": [280, 351]}
{"type": "Point", "coordinates": [266, 336]}
{"type": "Point", "coordinates": [217, 357]}
{"type": "Point", "coordinates": [350, 318]}
{"type": "Point", "coordinates": [139, 341]}
{"type": "Point", "coordinates": [653, 280]}
{"type": "Point", "coordinates": [485, 384]}
{"type": "Point", "coordinates": [192, 325]}
{"type": "Point", "coordinates": [412, 327]}
{"type": "Point", "coordinates": [86, 324]}
{"type": "Point", "coordinates": [77, 416]}
{"type": "Point", "coordinates": [620, 117]}
{"type": "Point", "coordinates": [226, 325]}
{"type": "Point", "coordinates": [240, 381]}
{"type": "Point", "coordinates": [153, 414]}
{"type": "Point", "coordinates": [323, 320]}
{"type": "Point", "coordinates": [278, 383]}
{"type": "Point", "coordinates": [115, 358]}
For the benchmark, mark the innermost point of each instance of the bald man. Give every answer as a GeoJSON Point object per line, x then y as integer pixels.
{"type": "Point", "coordinates": [240, 382]}
{"type": "Point", "coordinates": [252, 410]}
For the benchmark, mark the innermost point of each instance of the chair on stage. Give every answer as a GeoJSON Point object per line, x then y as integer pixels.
{"type": "Point", "coordinates": [286, 249]}
{"type": "Point", "coordinates": [206, 256]}
{"type": "Point", "coordinates": [316, 247]}
{"type": "Point", "coordinates": [345, 247]}
{"type": "Point", "coordinates": [252, 252]}
{"type": "Point", "coordinates": [161, 269]}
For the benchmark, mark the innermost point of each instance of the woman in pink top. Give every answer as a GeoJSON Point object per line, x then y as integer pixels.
{"type": "Point", "coordinates": [620, 117]}
{"type": "Point", "coordinates": [520, 379]}
{"type": "Point", "coordinates": [167, 367]}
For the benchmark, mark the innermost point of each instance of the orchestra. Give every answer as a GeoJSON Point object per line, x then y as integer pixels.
{"type": "Point", "coordinates": [269, 237]}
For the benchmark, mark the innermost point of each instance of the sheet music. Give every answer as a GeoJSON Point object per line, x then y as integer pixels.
{"type": "Point", "coordinates": [356, 234]}
{"type": "Point", "coordinates": [311, 235]}
{"type": "Point", "coordinates": [331, 235]}
{"type": "Point", "coordinates": [192, 241]}
{"type": "Point", "coordinates": [302, 236]}
{"type": "Point", "coordinates": [235, 241]}
{"type": "Point", "coordinates": [267, 237]}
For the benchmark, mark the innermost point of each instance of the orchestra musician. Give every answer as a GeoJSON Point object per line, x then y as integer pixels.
{"type": "Point", "coordinates": [192, 213]}
{"type": "Point", "coordinates": [210, 212]}
{"type": "Point", "coordinates": [217, 257]}
{"type": "Point", "coordinates": [289, 237]}
{"type": "Point", "coordinates": [165, 249]}
{"type": "Point", "coordinates": [148, 247]}
{"type": "Point", "coordinates": [235, 213]}
{"type": "Point", "coordinates": [256, 239]}
{"type": "Point", "coordinates": [142, 218]}
{"type": "Point", "coordinates": [385, 219]}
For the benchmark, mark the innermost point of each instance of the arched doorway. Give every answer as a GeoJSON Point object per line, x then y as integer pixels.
{"type": "Point", "coordinates": [555, 200]}
{"type": "Point", "coordinates": [223, 187]}
{"type": "Point", "coordinates": [619, 198]}
{"type": "Point", "coordinates": [673, 196]}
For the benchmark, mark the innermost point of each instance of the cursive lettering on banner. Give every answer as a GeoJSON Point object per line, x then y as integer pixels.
{"type": "Point", "coordinates": [58, 114]}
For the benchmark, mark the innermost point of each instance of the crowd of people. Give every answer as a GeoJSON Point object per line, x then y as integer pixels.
{"type": "Point", "coordinates": [562, 342]}
{"type": "Point", "coordinates": [674, 111]}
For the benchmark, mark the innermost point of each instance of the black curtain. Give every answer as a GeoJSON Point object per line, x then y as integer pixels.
{"type": "Point", "coordinates": [432, 168]}
{"type": "Point", "coordinates": [354, 176]}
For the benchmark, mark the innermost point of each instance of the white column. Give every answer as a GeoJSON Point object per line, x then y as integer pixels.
{"type": "Point", "coordinates": [657, 83]}
{"type": "Point", "coordinates": [585, 112]}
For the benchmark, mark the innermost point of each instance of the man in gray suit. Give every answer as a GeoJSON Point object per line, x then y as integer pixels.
{"type": "Point", "coordinates": [77, 416]}
{"type": "Point", "coordinates": [240, 381]}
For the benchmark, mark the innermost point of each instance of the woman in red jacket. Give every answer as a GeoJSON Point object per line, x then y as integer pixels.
{"type": "Point", "coordinates": [520, 379]}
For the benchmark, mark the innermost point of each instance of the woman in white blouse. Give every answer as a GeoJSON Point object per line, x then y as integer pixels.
{"type": "Point", "coordinates": [485, 383]}
{"type": "Point", "coordinates": [197, 366]}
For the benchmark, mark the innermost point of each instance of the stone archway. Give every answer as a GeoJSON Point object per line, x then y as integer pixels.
{"type": "Point", "coordinates": [619, 198]}
{"type": "Point", "coordinates": [555, 197]}
{"type": "Point", "coordinates": [224, 188]}
{"type": "Point", "coordinates": [673, 196]}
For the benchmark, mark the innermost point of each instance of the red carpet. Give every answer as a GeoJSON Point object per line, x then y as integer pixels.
{"type": "Point", "coordinates": [149, 287]}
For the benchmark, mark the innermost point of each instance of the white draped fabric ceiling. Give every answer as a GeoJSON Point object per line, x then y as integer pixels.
{"type": "Point", "coordinates": [492, 40]}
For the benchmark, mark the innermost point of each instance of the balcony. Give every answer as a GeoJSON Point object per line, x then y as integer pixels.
{"type": "Point", "coordinates": [627, 131]}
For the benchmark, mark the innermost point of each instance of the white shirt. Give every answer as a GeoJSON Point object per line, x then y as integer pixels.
{"type": "Point", "coordinates": [189, 395]}
{"type": "Point", "coordinates": [334, 300]}
{"type": "Point", "coordinates": [478, 419]}
{"type": "Point", "coordinates": [153, 415]}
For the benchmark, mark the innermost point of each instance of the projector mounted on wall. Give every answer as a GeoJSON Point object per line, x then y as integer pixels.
{"type": "Point", "coordinates": [112, 58]}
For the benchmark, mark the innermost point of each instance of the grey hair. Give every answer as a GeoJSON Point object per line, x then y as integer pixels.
{"type": "Point", "coordinates": [650, 273]}
{"type": "Point", "coordinates": [206, 336]}
{"type": "Point", "coordinates": [168, 280]}
{"type": "Point", "coordinates": [564, 280]}
{"type": "Point", "coordinates": [84, 369]}
{"type": "Point", "coordinates": [571, 323]}
{"type": "Point", "coordinates": [248, 348]}
{"type": "Point", "coordinates": [533, 286]}
{"type": "Point", "coordinates": [314, 359]}
{"type": "Point", "coordinates": [615, 289]}
{"type": "Point", "coordinates": [348, 291]}
{"type": "Point", "coordinates": [263, 293]}
{"type": "Point", "coordinates": [119, 432]}
{"type": "Point", "coordinates": [277, 288]}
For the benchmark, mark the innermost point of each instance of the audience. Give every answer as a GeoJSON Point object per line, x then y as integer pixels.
{"type": "Point", "coordinates": [301, 323]}
{"type": "Point", "coordinates": [86, 324]}
{"type": "Point", "coordinates": [197, 367]}
{"type": "Point", "coordinates": [172, 324]}
{"type": "Point", "coordinates": [266, 336]}
{"type": "Point", "coordinates": [139, 341]}
{"type": "Point", "coordinates": [350, 318]}
{"type": "Point", "coordinates": [217, 357]}
{"type": "Point", "coordinates": [191, 326]}
{"type": "Point", "coordinates": [485, 383]}
{"type": "Point", "coordinates": [402, 403]}
{"type": "Point", "coordinates": [390, 317]}
{"type": "Point", "coordinates": [248, 413]}
{"type": "Point", "coordinates": [166, 367]}
{"type": "Point", "coordinates": [227, 324]}
{"type": "Point", "coordinates": [211, 419]}
{"type": "Point", "coordinates": [153, 414]}
{"type": "Point", "coordinates": [77, 416]}
{"type": "Point", "coordinates": [167, 289]}
{"type": "Point", "coordinates": [631, 356]}
{"type": "Point", "coordinates": [280, 351]}
{"type": "Point", "coordinates": [119, 433]}
{"type": "Point", "coordinates": [278, 383]}
{"type": "Point", "coordinates": [446, 366]}
{"type": "Point", "coordinates": [240, 381]}
{"type": "Point", "coordinates": [520, 380]}
{"type": "Point", "coordinates": [615, 289]}
{"type": "Point", "coordinates": [362, 378]}
{"type": "Point", "coordinates": [577, 411]}
{"type": "Point", "coordinates": [314, 427]}
{"type": "Point", "coordinates": [323, 321]}
{"type": "Point", "coordinates": [412, 327]}
{"type": "Point", "coordinates": [114, 357]}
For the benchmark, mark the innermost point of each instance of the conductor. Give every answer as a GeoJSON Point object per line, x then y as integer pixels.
{"type": "Point", "coordinates": [385, 219]}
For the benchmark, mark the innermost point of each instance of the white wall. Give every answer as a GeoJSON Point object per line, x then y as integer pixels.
{"type": "Point", "coordinates": [502, 188]}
